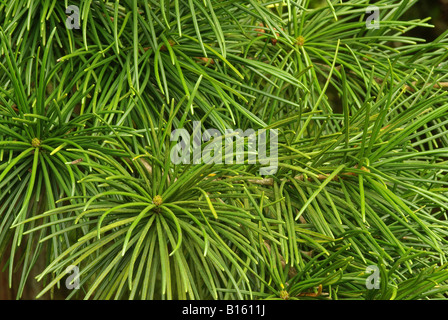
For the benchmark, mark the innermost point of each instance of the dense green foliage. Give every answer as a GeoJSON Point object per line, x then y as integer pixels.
{"type": "Point", "coordinates": [85, 122]}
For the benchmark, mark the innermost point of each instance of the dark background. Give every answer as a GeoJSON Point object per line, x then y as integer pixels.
{"type": "Point", "coordinates": [437, 10]}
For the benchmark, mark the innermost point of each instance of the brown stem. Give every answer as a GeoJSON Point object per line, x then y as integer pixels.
{"type": "Point", "coordinates": [292, 271]}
